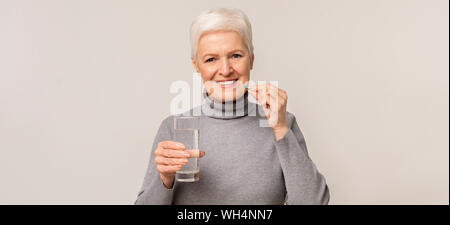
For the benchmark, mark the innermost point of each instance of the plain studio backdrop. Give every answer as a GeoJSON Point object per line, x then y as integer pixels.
{"type": "Point", "coordinates": [84, 86]}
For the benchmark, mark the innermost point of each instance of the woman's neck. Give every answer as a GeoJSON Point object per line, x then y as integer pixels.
{"type": "Point", "coordinates": [225, 110]}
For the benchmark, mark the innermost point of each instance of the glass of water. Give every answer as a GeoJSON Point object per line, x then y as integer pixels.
{"type": "Point", "coordinates": [186, 131]}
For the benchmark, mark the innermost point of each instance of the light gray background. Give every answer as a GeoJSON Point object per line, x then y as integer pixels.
{"type": "Point", "coordinates": [84, 86]}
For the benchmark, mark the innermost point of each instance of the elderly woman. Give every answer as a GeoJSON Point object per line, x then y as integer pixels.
{"type": "Point", "coordinates": [241, 161]}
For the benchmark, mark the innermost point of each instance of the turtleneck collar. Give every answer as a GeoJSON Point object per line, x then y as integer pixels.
{"type": "Point", "coordinates": [225, 110]}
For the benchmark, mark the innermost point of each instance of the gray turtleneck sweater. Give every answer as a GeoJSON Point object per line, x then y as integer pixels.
{"type": "Point", "coordinates": [244, 164]}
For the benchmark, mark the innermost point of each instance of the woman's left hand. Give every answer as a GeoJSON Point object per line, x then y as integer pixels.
{"type": "Point", "coordinates": [273, 101]}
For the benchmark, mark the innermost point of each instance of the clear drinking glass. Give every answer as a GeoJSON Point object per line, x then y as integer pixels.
{"type": "Point", "coordinates": [186, 131]}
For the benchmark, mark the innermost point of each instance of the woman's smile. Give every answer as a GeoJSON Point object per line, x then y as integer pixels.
{"type": "Point", "coordinates": [227, 83]}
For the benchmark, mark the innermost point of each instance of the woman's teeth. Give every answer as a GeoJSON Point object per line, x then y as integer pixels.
{"type": "Point", "coordinates": [226, 82]}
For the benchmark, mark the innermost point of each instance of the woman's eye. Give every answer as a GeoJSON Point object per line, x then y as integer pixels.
{"type": "Point", "coordinates": [236, 56]}
{"type": "Point", "coordinates": [210, 60]}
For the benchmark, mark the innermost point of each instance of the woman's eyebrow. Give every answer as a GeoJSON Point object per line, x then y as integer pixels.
{"type": "Point", "coordinates": [213, 54]}
{"type": "Point", "coordinates": [239, 50]}
{"type": "Point", "coordinates": [208, 54]}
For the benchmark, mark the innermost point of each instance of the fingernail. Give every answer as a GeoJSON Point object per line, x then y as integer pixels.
{"type": "Point", "coordinates": [202, 153]}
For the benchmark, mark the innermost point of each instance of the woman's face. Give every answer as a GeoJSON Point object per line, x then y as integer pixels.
{"type": "Point", "coordinates": [224, 62]}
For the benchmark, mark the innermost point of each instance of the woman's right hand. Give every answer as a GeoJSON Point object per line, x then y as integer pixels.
{"type": "Point", "coordinates": [170, 156]}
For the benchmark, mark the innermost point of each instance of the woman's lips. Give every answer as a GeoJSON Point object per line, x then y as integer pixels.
{"type": "Point", "coordinates": [227, 84]}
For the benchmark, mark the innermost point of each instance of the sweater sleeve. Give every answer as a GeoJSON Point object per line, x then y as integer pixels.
{"type": "Point", "coordinates": [304, 184]}
{"type": "Point", "coordinates": [153, 191]}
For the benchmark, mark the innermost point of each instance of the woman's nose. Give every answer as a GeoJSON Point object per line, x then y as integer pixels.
{"type": "Point", "coordinates": [225, 68]}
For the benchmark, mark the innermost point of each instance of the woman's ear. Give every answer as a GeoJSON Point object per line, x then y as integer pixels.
{"type": "Point", "coordinates": [251, 61]}
{"type": "Point", "coordinates": [194, 64]}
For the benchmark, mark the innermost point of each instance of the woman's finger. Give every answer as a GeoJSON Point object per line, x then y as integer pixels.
{"type": "Point", "coordinates": [266, 89]}
{"type": "Point", "coordinates": [277, 96]}
{"type": "Point", "coordinates": [170, 161]}
{"type": "Point", "coordinates": [270, 92]}
{"type": "Point", "coordinates": [170, 153]}
{"type": "Point", "coordinates": [164, 169]}
{"type": "Point", "coordinates": [262, 101]}
{"type": "Point", "coordinates": [171, 145]}
{"type": "Point", "coordinates": [195, 153]}
{"type": "Point", "coordinates": [260, 96]}
{"type": "Point", "coordinates": [267, 100]}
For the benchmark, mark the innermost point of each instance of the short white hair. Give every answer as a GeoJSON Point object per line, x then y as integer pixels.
{"type": "Point", "coordinates": [221, 19]}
